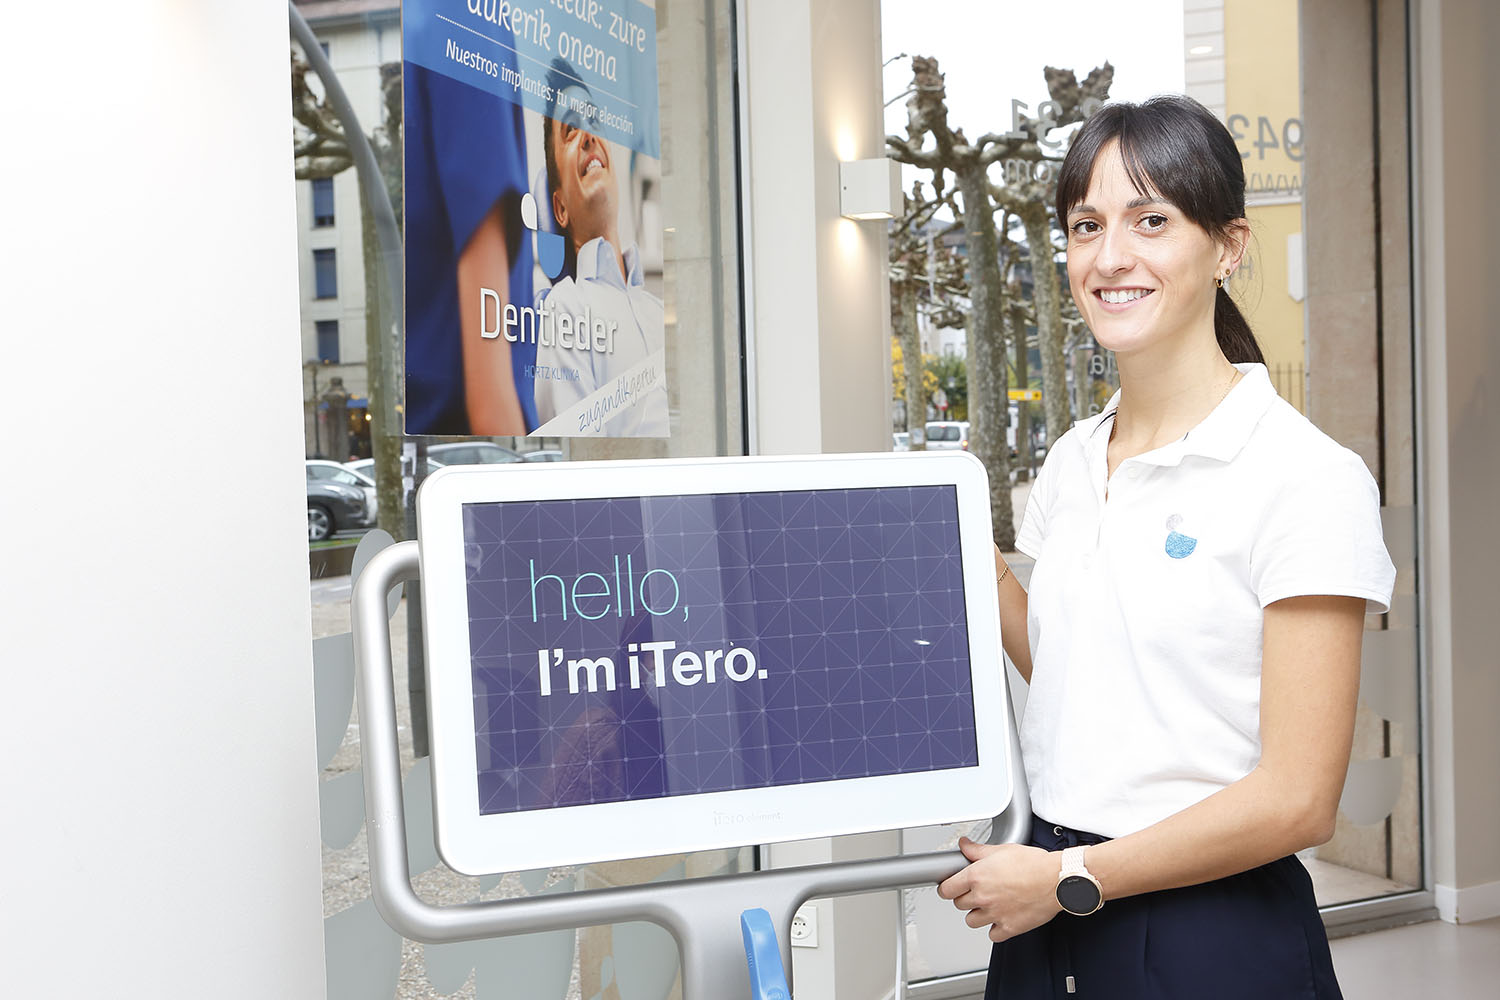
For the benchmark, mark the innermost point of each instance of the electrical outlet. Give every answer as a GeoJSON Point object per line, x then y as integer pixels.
{"type": "Point", "coordinates": [805, 926]}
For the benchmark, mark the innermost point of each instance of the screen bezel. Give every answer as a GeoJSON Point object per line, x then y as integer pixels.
{"type": "Point", "coordinates": [476, 844]}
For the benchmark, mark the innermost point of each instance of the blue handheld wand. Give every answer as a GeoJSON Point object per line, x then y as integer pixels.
{"type": "Point", "coordinates": [763, 952]}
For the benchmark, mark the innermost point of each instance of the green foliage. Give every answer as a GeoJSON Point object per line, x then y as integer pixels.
{"type": "Point", "coordinates": [951, 374]}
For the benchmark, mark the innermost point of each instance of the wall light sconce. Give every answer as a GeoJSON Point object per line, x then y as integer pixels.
{"type": "Point", "coordinates": [870, 189]}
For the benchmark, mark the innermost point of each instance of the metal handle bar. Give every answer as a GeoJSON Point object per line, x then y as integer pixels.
{"type": "Point", "coordinates": [702, 913]}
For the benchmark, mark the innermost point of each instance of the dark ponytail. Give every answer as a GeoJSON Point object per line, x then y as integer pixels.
{"type": "Point", "coordinates": [1233, 332]}
{"type": "Point", "coordinates": [1174, 148]}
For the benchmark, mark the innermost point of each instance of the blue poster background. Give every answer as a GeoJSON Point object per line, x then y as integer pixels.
{"type": "Point", "coordinates": [569, 338]}
{"type": "Point", "coordinates": [849, 601]}
{"type": "Point", "coordinates": [611, 45]}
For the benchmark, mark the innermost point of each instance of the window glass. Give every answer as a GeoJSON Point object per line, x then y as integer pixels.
{"type": "Point", "coordinates": [322, 201]}
{"type": "Point", "coordinates": [1325, 289]}
{"type": "Point", "coordinates": [343, 476]}
{"type": "Point", "coordinates": [325, 277]}
{"type": "Point", "coordinates": [328, 340]}
{"type": "Point", "coordinates": [688, 240]}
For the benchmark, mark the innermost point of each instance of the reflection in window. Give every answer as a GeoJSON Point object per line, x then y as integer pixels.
{"type": "Point", "coordinates": [322, 201]}
{"type": "Point", "coordinates": [328, 329]}
{"type": "Point", "coordinates": [688, 236]}
{"type": "Point", "coordinates": [325, 274]}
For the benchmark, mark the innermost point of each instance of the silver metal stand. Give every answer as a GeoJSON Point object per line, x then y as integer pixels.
{"type": "Point", "coordinates": [702, 914]}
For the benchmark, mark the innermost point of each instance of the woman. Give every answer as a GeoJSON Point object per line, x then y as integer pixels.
{"type": "Point", "coordinates": [1205, 558]}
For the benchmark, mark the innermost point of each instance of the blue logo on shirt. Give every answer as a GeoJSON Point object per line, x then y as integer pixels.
{"type": "Point", "coordinates": [1179, 546]}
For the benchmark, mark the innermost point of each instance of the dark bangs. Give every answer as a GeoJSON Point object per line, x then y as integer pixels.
{"type": "Point", "coordinates": [1173, 148]}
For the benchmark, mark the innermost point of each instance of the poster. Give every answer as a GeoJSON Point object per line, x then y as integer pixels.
{"type": "Point", "coordinates": [533, 235]}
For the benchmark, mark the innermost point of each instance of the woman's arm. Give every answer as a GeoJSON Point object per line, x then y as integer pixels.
{"type": "Point", "coordinates": [1013, 617]}
{"type": "Point", "coordinates": [489, 384]}
{"type": "Point", "coordinates": [1309, 687]}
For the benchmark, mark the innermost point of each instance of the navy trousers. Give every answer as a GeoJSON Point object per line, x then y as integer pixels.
{"type": "Point", "coordinates": [1252, 936]}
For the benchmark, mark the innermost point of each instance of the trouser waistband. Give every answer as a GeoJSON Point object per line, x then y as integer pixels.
{"type": "Point", "coordinates": [1054, 837]}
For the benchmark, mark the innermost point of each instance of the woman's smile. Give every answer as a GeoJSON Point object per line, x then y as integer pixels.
{"type": "Point", "coordinates": [1120, 299]}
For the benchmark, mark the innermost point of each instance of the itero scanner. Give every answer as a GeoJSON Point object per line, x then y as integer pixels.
{"type": "Point", "coordinates": [763, 952]}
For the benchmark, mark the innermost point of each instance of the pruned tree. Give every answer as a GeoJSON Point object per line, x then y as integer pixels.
{"type": "Point", "coordinates": [927, 278]}
{"type": "Point", "coordinates": [1030, 195]}
{"type": "Point", "coordinates": [931, 143]}
{"type": "Point", "coordinates": [1018, 317]}
{"type": "Point", "coordinates": [320, 149]}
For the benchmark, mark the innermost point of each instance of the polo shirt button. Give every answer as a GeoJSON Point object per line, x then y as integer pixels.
{"type": "Point", "coordinates": [1057, 831]}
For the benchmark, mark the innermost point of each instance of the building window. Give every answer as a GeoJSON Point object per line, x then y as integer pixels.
{"type": "Point", "coordinates": [328, 341]}
{"type": "Point", "coordinates": [322, 201]}
{"type": "Point", "coordinates": [325, 275]}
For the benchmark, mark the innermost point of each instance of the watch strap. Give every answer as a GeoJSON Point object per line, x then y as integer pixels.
{"type": "Point", "coordinates": [1072, 868]}
{"type": "Point", "coordinates": [1072, 862]}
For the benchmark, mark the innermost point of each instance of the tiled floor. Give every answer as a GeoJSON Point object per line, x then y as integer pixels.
{"type": "Point", "coordinates": [1433, 959]}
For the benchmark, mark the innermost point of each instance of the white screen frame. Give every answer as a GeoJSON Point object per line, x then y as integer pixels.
{"type": "Point", "coordinates": [476, 844]}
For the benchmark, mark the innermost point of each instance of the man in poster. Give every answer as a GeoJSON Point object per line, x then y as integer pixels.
{"type": "Point", "coordinates": [531, 146]}
{"type": "Point", "coordinates": [601, 280]}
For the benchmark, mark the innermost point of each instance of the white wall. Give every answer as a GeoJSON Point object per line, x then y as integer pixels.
{"type": "Point", "coordinates": [161, 829]}
{"type": "Point", "coordinates": [820, 307]}
{"type": "Point", "coordinates": [819, 294]}
{"type": "Point", "coordinates": [1457, 141]}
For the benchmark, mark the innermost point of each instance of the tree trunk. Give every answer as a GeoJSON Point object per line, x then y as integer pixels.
{"type": "Point", "coordinates": [988, 400]}
{"type": "Point", "coordinates": [911, 360]}
{"type": "Point", "coordinates": [1025, 454]}
{"type": "Point", "coordinates": [1049, 326]}
{"type": "Point", "coordinates": [385, 439]}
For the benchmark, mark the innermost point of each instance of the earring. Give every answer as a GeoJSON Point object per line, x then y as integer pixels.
{"type": "Point", "coordinates": [1218, 282]}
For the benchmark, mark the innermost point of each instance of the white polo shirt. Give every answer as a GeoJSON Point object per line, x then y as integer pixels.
{"type": "Point", "coordinates": [1145, 610]}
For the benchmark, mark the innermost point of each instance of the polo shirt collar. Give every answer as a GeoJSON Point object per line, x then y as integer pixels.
{"type": "Point", "coordinates": [596, 262]}
{"type": "Point", "coordinates": [1220, 435]}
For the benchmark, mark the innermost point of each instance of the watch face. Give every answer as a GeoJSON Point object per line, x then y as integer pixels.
{"type": "Point", "coordinates": [1078, 895]}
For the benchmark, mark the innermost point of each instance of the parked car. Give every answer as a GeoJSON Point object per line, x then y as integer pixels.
{"type": "Point", "coordinates": [472, 453]}
{"type": "Point", "coordinates": [366, 467]}
{"type": "Point", "coordinates": [543, 455]}
{"type": "Point", "coordinates": [947, 435]}
{"type": "Point", "coordinates": [325, 471]}
{"type": "Point", "coordinates": [900, 441]}
{"type": "Point", "coordinates": [333, 507]}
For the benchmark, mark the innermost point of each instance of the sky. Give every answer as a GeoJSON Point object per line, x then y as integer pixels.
{"type": "Point", "coordinates": [993, 51]}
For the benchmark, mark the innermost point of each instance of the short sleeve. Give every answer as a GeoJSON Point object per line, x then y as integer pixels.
{"type": "Point", "coordinates": [1321, 534]}
{"type": "Point", "coordinates": [479, 153]}
{"type": "Point", "coordinates": [1034, 521]}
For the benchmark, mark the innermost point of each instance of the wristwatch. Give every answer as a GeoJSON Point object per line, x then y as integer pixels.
{"type": "Point", "coordinates": [1078, 892]}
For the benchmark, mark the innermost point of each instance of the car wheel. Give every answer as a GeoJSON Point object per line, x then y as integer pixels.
{"type": "Point", "coordinates": [319, 522]}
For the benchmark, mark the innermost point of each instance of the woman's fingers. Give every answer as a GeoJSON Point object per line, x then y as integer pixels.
{"type": "Point", "coordinates": [973, 850]}
{"type": "Point", "coordinates": [956, 885]}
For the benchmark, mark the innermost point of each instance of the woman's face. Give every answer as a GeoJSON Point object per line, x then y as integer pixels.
{"type": "Point", "coordinates": [1141, 272]}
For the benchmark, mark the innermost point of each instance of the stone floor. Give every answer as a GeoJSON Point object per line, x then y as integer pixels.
{"type": "Point", "coordinates": [1431, 959]}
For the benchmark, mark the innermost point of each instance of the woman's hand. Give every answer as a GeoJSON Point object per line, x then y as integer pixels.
{"type": "Point", "coordinates": [1009, 886]}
